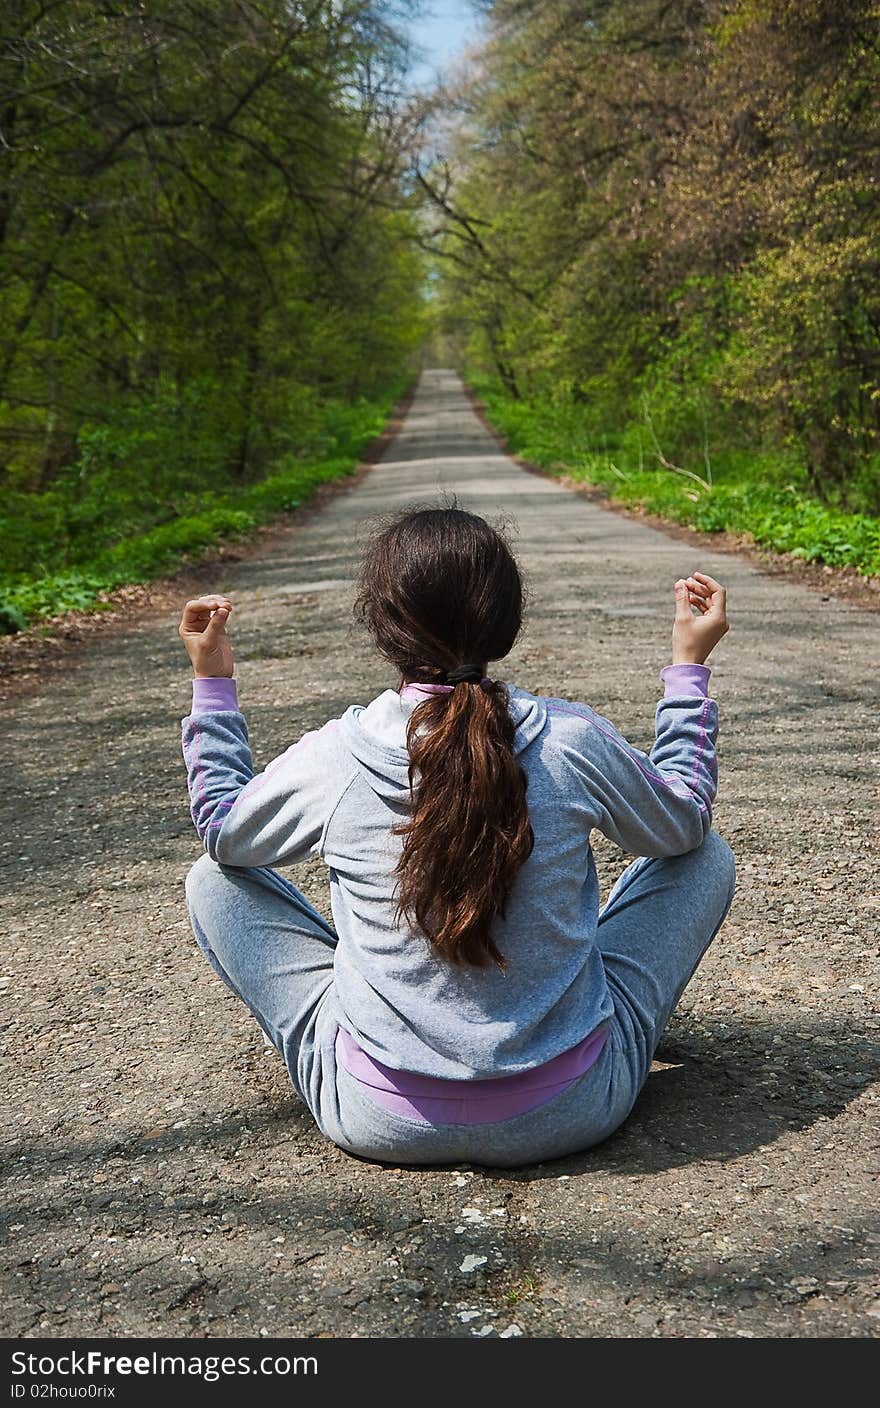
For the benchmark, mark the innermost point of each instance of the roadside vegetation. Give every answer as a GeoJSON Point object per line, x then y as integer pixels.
{"type": "Point", "coordinates": [736, 492]}
{"type": "Point", "coordinates": [646, 234]}
{"type": "Point", "coordinates": [655, 232]}
{"type": "Point", "coordinates": [211, 288]}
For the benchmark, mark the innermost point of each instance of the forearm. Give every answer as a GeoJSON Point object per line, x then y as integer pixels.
{"type": "Point", "coordinates": [686, 727]}
{"type": "Point", "coordinates": [216, 750]}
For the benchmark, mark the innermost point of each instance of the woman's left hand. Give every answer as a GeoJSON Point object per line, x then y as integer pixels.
{"type": "Point", "coordinates": [203, 631]}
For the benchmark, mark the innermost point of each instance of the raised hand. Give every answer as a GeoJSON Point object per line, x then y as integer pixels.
{"type": "Point", "coordinates": [203, 632]}
{"type": "Point", "coordinates": [693, 637]}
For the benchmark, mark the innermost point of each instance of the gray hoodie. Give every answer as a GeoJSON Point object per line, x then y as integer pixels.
{"type": "Point", "coordinates": [337, 792]}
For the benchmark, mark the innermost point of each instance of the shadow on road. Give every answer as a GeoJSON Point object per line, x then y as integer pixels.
{"type": "Point", "coordinates": [729, 1089]}
{"type": "Point", "coordinates": [719, 1094]}
{"type": "Point", "coordinates": [251, 1174]}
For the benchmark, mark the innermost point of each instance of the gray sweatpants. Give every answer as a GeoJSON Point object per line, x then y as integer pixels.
{"type": "Point", "coordinates": [275, 951]}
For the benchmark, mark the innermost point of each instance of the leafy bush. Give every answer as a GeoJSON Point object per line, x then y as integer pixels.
{"type": "Point", "coordinates": [59, 553]}
{"type": "Point", "coordinates": [749, 493]}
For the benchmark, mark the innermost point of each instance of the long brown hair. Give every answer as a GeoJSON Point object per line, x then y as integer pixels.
{"type": "Point", "coordinates": [440, 588]}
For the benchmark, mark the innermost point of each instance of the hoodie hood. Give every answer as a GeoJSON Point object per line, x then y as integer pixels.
{"type": "Point", "coordinates": [375, 734]}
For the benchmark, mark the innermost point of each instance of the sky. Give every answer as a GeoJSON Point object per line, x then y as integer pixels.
{"type": "Point", "coordinates": [442, 30]}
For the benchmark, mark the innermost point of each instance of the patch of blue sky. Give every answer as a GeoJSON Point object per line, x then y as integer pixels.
{"type": "Point", "coordinates": [439, 32]}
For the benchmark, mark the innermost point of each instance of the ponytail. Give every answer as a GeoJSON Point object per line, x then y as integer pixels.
{"type": "Point", "coordinates": [469, 831]}
{"type": "Point", "coordinates": [439, 586]}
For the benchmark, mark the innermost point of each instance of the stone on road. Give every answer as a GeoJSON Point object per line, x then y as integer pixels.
{"type": "Point", "coordinates": [163, 1178]}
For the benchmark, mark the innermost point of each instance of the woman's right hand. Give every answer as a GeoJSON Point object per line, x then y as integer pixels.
{"type": "Point", "coordinates": [693, 637]}
{"type": "Point", "coordinates": [203, 631]}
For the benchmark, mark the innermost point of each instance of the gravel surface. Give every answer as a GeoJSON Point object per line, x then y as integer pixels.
{"type": "Point", "coordinates": [163, 1178]}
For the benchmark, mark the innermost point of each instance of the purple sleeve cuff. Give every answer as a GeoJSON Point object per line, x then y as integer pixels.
{"type": "Point", "coordinates": [213, 695]}
{"type": "Point", "coordinates": [688, 680]}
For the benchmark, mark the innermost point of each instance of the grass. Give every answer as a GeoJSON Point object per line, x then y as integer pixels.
{"type": "Point", "coordinates": [222, 516]}
{"type": "Point", "coordinates": [749, 493]}
{"type": "Point", "coordinates": [525, 1288]}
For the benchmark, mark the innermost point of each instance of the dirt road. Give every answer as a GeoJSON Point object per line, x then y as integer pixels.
{"type": "Point", "coordinates": [164, 1180]}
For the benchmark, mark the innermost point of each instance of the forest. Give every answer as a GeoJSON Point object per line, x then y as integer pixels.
{"type": "Point", "coordinates": [646, 234]}
{"type": "Point", "coordinates": [659, 234]}
{"type": "Point", "coordinates": [210, 289]}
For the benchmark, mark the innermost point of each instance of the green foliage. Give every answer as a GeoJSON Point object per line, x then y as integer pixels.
{"type": "Point", "coordinates": [669, 216]}
{"type": "Point", "coordinates": [210, 276]}
{"type": "Point", "coordinates": [749, 494]}
{"type": "Point", "coordinates": [138, 472]}
{"type": "Point", "coordinates": [109, 555]}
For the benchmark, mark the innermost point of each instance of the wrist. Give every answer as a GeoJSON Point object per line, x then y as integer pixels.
{"type": "Point", "coordinates": [685, 678]}
{"type": "Point", "coordinates": [211, 693]}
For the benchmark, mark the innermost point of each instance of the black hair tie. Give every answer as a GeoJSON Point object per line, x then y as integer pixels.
{"type": "Point", "coordinates": [471, 673]}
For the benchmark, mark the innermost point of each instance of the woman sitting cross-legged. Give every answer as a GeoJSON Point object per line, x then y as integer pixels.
{"type": "Point", "coordinates": [470, 1002]}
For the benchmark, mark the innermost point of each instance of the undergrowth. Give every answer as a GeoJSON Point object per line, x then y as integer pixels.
{"type": "Point", "coordinates": [63, 551]}
{"type": "Point", "coordinates": [763, 496]}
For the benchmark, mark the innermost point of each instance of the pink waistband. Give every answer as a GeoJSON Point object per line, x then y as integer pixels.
{"type": "Point", "coordinates": [433, 1100]}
